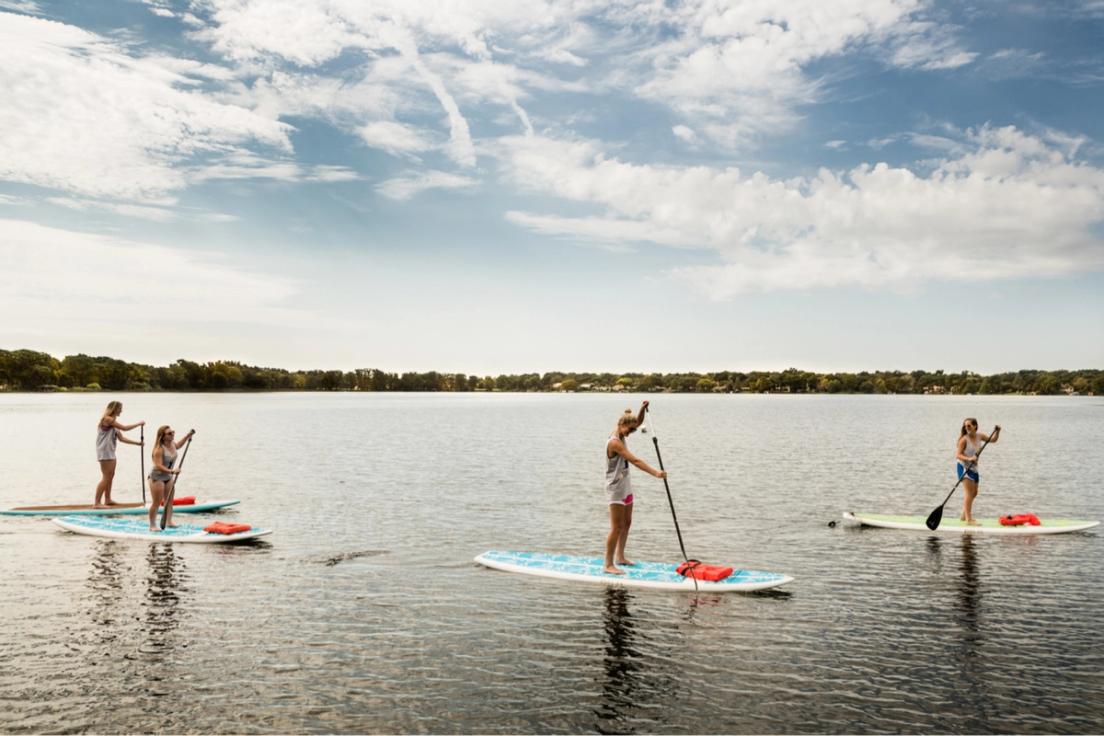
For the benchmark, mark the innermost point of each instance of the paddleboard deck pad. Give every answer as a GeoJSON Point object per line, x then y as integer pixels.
{"type": "Point", "coordinates": [100, 526]}
{"type": "Point", "coordinates": [123, 509]}
{"type": "Point", "coordinates": [955, 526]}
{"type": "Point", "coordinates": [660, 575]}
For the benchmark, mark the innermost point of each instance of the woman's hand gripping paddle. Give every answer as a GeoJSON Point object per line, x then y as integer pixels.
{"type": "Point", "coordinates": [649, 429]}
{"type": "Point", "coordinates": [172, 491]}
{"type": "Point", "coordinates": [937, 516]}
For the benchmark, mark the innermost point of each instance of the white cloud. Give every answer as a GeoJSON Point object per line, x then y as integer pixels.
{"type": "Point", "coordinates": [145, 212]}
{"type": "Point", "coordinates": [68, 284]}
{"type": "Point", "coordinates": [403, 188]}
{"type": "Point", "coordinates": [82, 115]}
{"type": "Point", "coordinates": [1013, 205]}
{"type": "Point", "coordinates": [395, 138]}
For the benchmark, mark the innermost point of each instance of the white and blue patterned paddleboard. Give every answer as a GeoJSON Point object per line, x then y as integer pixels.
{"type": "Point", "coordinates": [123, 509]}
{"type": "Point", "coordinates": [659, 575]}
{"type": "Point", "coordinates": [102, 526]}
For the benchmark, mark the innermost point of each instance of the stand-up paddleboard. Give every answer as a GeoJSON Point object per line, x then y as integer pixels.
{"type": "Point", "coordinates": [659, 575]}
{"type": "Point", "coordinates": [123, 509]}
{"type": "Point", "coordinates": [955, 526]}
{"type": "Point", "coordinates": [99, 526]}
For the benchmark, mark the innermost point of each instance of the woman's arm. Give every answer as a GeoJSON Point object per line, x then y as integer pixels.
{"type": "Point", "coordinates": [180, 443]}
{"type": "Point", "coordinates": [126, 427]}
{"type": "Point", "coordinates": [123, 438]}
{"type": "Point", "coordinates": [640, 414]}
{"type": "Point", "coordinates": [620, 449]}
{"type": "Point", "coordinates": [991, 437]}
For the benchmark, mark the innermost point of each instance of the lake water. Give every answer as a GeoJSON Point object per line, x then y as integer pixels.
{"type": "Point", "coordinates": [364, 611]}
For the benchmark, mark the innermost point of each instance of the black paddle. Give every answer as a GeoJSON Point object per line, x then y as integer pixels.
{"type": "Point", "coordinates": [142, 452]}
{"type": "Point", "coordinates": [937, 516]}
{"type": "Point", "coordinates": [172, 491]}
{"type": "Point", "coordinates": [670, 501]}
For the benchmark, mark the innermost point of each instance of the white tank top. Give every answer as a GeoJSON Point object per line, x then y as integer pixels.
{"type": "Point", "coordinates": [972, 448]}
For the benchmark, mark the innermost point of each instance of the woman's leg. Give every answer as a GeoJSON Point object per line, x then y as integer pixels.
{"type": "Point", "coordinates": [626, 522]}
{"type": "Point", "coordinates": [157, 492]}
{"type": "Point", "coordinates": [968, 500]}
{"type": "Point", "coordinates": [616, 513]}
{"type": "Point", "coordinates": [107, 475]}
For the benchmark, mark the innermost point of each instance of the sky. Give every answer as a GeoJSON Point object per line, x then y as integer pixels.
{"type": "Point", "coordinates": [507, 186]}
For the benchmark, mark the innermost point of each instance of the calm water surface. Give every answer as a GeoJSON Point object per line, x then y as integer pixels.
{"type": "Point", "coordinates": [364, 611]}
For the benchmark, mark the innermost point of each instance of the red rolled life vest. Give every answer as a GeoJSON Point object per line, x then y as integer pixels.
{"type": "Point", "coordinates": [701, 571]}
{"type": "Point", "coordinates": [1020, 519]}
{"type": "Point", "coordinates": [184, 501]}
{"type": "Point", "coordinates": [225, 527]}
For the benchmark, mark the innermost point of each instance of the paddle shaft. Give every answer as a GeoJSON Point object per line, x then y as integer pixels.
{"type": "Point", "coordinates": [972, 465]}
{"type": "Point", "coordinates": [172, 491]}
{"type": "Point", "coordinates": [142, 454]}
{"type": "Point", "coordinates": [670, 501]}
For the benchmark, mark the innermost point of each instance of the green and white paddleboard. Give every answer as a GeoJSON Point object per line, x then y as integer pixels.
{"type": "Point", "coordinates": [101, 526]}
{"type": "Point", "coordinates": [122, 509]}
{"type": "Point", "coordinates": [954, 526]}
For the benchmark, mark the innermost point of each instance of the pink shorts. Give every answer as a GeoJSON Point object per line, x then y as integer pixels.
{"type": "Point", "coordinates": [626, 502]}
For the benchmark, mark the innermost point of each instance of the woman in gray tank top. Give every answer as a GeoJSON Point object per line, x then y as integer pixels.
{"type": "Point", "coordinates": [162, 476]}
{"type": "Point", "coordinates": [108, 432]}
{"type": "Point", "coordinates": [619, 488]}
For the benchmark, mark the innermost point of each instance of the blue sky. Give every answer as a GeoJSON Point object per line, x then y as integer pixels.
{"type": "Point", "coordinates": [489, 187]}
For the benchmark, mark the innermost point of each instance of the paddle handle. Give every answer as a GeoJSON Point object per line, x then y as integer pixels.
{"type": "Point", "coordinates": [172, 491]}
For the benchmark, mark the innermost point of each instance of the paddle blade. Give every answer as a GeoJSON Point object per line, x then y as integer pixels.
{"type": "Point", "coordinates": [934, 518]}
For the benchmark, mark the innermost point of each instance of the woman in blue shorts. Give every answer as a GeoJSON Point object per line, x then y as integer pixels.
{"type": "Point", "coordinates": [969, 445]}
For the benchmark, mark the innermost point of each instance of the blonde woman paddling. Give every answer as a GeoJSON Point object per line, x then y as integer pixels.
{"type": "Point", "coordinates": [163, 477]}
{"type": "Point", "coordinates": [970, 442]}
{"type": "Point", "coordinates": [619, 488]}
{"type": "Point", "coordinates": [108, 433]}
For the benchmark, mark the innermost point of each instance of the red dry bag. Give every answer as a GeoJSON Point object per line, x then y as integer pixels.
{"type": "Point", "coordinates": [701, 571]}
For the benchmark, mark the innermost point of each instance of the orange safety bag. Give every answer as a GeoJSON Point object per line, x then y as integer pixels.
{"type": "Point", "coordinates": [1020, 519]}
{"type": "Point", "coordinates": [184, 501]}
{"type": "Point", "coordinates": [225, 527]}
{"type": "Point", "coordinates": [701, 571]}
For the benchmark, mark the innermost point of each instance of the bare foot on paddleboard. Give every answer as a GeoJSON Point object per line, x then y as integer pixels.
{"type": "Point", "coordinates": [626, 563]}
{"type": "Point", "coordinates": [109, 502]}
{"type": "Point", "coordinates": [155, 528]}
{"type": "Point", "coordinates": [973, 522]}
{"type": "Point", "coordinates": [613, 570]}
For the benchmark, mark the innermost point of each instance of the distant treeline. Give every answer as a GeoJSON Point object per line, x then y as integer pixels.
{"type": "Point", "coordinates": [28, 370]}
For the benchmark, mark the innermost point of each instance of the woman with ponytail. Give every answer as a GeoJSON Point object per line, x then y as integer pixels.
{"type": "Point", "coordinates": [619, 487]}
{"type": "Point", "coordinates": [108, 433]}
{"type": "Point", "coordinates": [966, 452]}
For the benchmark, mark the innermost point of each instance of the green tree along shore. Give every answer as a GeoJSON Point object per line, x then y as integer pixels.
{"type": "Point", "coordinates": [28, 370]}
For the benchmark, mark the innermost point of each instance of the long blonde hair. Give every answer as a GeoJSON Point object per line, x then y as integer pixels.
{"type": "Point", "coordinates": [161, 434]}
{"type": "Point", "coordinates": [114, 409]}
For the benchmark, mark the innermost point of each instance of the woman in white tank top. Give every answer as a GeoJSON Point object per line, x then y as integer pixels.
{"type": "Point", "coordinates": [108, 433]}
{"type": "Point", "coordinates": [970, 442]}
{"type": "Point", "coordinates": [619, 488]}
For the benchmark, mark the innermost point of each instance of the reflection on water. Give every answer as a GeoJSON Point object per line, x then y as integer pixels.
{"type": "Point", "coordinates": [164, 587]}
{"type": "Point", "coordinates": [621, 665]}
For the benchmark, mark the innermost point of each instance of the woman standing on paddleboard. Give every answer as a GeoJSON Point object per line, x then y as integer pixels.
{"type": "Point", "coordinates": [108, 433]}
{"type": "Point", "coordinates": [619, 487]}
{"type": "Point", "coordinates": [966, 452]}
{"type": "Point", "coordinates": [163, 476]}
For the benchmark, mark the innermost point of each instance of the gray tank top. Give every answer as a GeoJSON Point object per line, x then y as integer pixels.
{"type": "Point", "coordinates": [618, 482]}
{"type": "Point", "coordinates": [168, 457]}
{"type": "Point", "coordinates": [106, 442]}
{"type": "Point", "coordinates": [971, 449]}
